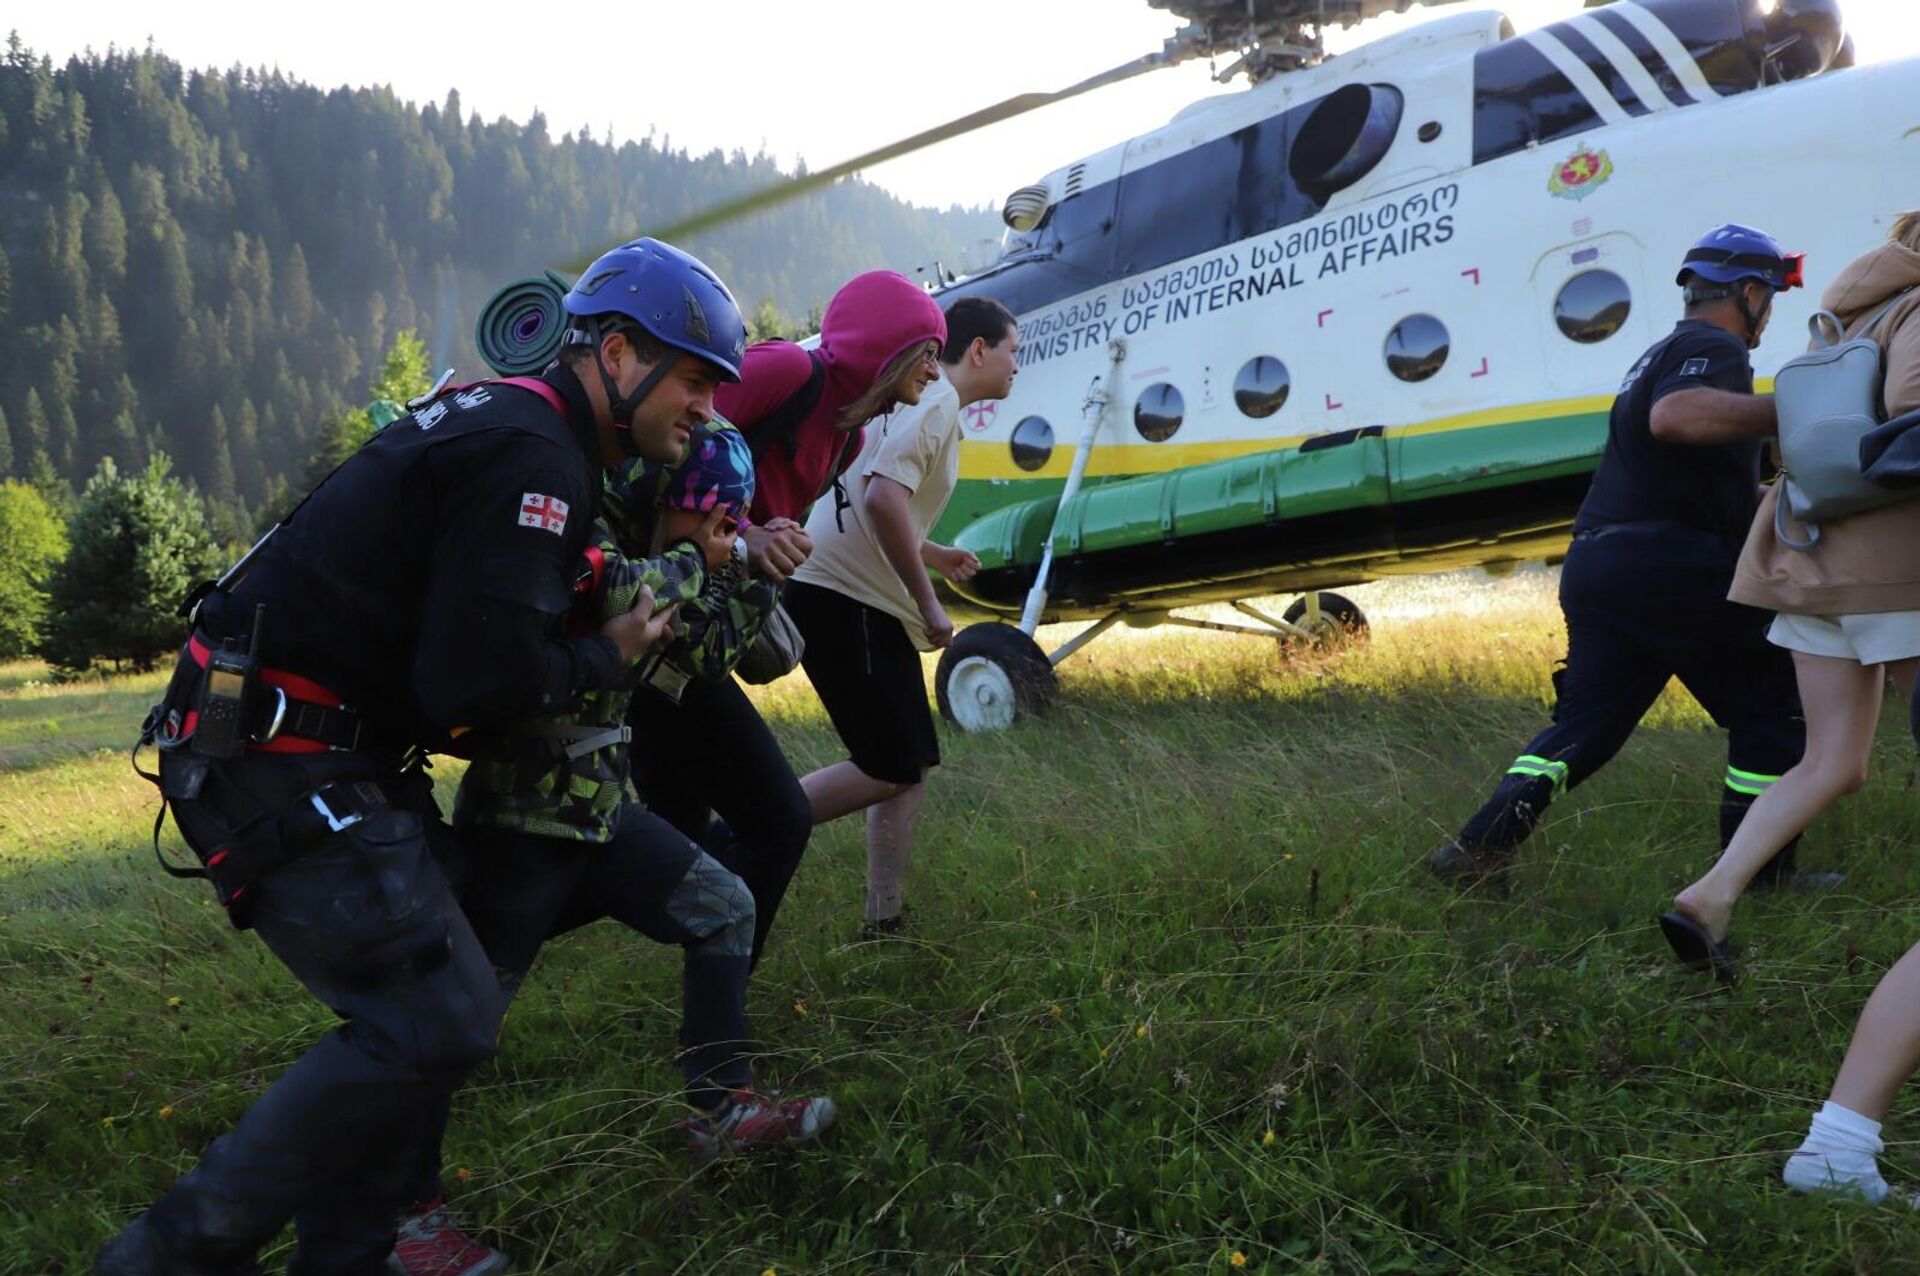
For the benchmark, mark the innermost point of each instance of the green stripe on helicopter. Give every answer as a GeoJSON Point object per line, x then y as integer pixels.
{"type": "Point", "coordinates": [1005, 521]}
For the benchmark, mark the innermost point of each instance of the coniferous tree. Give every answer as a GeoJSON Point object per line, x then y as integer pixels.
{"type": "Point", "coordinates": [138, 544]}
{"type": "Point", "coordinates": [240, 239]}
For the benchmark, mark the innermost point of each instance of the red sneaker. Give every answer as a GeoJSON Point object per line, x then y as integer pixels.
{"type": "Point", "coordinates": [746, 1120]}
{"type": "Point", "coordinates": [430, 1245]}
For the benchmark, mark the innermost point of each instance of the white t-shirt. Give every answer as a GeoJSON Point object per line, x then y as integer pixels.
{"type": "Point", "coordinates": [917, 447]}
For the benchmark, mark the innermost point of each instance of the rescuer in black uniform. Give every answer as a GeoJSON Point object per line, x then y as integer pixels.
{"type": "Point", "coordinates": [420, 591]}
{"type": "Point", "coordinates": [1644, 586]}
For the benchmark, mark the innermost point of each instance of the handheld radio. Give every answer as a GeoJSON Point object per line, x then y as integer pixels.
{"type": "Point", "coordinates": [226, 695]}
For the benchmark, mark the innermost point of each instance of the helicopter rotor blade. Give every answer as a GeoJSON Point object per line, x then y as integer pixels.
{"type": "Point", "coordinates": [1175, 52]}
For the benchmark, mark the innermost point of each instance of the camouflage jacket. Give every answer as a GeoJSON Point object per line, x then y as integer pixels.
{"type": "Point", "coordinates": [526, 780]}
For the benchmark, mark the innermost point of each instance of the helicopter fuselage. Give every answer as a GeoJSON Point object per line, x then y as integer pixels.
{"type": "Point", "coordinates": [1300, 378]}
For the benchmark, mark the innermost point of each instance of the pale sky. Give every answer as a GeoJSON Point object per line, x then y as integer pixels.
{"type": "Point", "coordinates": [825, 80]}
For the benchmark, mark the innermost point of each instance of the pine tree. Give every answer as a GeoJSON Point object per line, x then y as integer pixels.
{"type": "Point", "coordinates": [106, 231]}
{"type": "Point", "coordinates": [34, 429]}
{"type": "Point", "coordinates": [139, 543]}
{"type": "Point", "coordinates": [221, 486]}
{"type": "Point", "coordinates": [44, 479]}
{"type": "Point", "coordinates": [6, 446]}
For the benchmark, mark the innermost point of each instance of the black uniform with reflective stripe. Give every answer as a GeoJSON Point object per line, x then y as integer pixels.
{"type": "Point", "coordinates": [427, 581]}
{"type": "Point", "coordinates": [1711, 488]}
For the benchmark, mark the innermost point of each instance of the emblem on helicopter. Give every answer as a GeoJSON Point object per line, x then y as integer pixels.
{"type": "Point", "coordinates": [980, 415]}
{"type": "Point", "coordinates": [1580, 175]}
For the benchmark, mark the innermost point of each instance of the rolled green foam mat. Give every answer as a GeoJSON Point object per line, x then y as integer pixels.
{"type": "Point", "coordinates": [519, 329]}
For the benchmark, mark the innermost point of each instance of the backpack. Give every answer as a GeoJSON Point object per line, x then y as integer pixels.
{"type": "Point", "coordinates": [1828, 401]}
{"type": "Point", "coordinates": [782, 425]}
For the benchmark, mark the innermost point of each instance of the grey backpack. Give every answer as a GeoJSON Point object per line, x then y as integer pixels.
{"type": "Point", "coordinates": [1827, 400]}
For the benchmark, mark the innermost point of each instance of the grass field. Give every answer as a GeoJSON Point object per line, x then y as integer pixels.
{"type": "Point", "coordinates": [1178, 998]}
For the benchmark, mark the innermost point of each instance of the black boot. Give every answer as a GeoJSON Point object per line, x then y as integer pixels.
{"type": "Point", "coordinates": [138, 1251]}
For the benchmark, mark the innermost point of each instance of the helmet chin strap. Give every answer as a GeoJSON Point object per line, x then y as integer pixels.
{"type": "Point", "coordinates": [1752, 320]}
{"type": "Point", "coordinates": [622, 407]}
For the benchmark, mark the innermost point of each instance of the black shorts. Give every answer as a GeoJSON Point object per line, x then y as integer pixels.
{"type": "Point", "coordinates": [866, 672]}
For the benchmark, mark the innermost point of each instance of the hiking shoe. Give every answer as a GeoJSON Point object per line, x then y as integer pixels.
{"type": "Point", "coordinates": [746, 1120]}
{"type": "Point", "coordinates": [1462, 869]}
{"type": "Point", "coordinates": [430, 1245]}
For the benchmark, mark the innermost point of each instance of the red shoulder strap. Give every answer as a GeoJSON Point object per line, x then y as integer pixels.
{"type": "Point", "coordinates": [545, 391]}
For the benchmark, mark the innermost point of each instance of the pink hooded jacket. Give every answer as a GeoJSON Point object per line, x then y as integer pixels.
{"type": "Point", "coordinates": [870, 320]}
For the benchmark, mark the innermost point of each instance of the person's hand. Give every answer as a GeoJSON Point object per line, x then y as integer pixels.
{"type": "Point", "coordinates": [939, 626]}
{"type": "Point", "coordinates": [954, 564]}
{"type": "Point", "coordinates": [774, 551]}
{"type": "Point", "coordinates": [715, 536]}
{"type": "Point", "coordinates": [635, 632]}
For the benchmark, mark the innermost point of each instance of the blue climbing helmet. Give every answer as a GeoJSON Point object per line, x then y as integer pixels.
{"type": "Point", "coordinates": [669, 295]}
{"type": "Point", "coordinates": [1732, 253]}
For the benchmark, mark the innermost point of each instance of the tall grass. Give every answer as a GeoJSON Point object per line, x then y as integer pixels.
{"type": "Point", "coordinates": [1176, 991]}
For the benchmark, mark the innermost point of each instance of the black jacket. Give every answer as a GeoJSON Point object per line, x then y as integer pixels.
{"type": "Point", "coordinates": [427, 581]}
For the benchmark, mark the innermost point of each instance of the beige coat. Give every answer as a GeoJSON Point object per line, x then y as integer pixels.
{"type": "Point", "coordinates": [1869, 562]}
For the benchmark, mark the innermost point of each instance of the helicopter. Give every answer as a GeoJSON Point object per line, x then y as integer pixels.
{"type": "Point", "coordinates": [1365, 316]}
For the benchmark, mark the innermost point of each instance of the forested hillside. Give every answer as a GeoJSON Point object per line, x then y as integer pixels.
{"type": "Point", "coordinates": [213, 263]}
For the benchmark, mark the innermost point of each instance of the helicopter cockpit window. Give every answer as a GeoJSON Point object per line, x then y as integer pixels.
{"type": "Point", "coordinates": [1158, 412]}
{"type": "Point", "coordinates": [1032, 443]}
{"type": "Point", "coordinates": [1417, 347]}
{"type": "Point", "coordinates": [1592, 306]}
{"type": "Point", "coordinates": [1261, 388]}
{"type": "Point", "coordinates": [1344, 135]}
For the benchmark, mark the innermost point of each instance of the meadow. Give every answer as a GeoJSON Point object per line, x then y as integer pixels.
{"type": "Point", "coordinates": [1178, 996]}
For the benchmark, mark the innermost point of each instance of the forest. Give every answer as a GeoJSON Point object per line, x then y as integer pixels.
{"type": "Point", "coordinates": [212, 264]}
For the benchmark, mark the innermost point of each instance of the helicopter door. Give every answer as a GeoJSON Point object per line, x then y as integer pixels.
{"type": "Point", "coordinates": [1594, 314]}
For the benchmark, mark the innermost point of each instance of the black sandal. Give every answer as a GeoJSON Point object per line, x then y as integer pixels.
{"type": "Point", "coordinates": [1697, 949]}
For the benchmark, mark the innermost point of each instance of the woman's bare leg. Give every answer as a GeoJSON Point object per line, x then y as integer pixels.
{"type": "Point", "coordinates": [1842, 700]}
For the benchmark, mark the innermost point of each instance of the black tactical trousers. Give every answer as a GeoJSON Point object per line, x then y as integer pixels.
{"type": "Point", "coordinates": [712, 753]}
{"type": "Point", "coordinates": [1645, 603]}
{"type": "Point", "coordinates": [525, 889]}
{"type": "Point", "coordinates": [365, 918]}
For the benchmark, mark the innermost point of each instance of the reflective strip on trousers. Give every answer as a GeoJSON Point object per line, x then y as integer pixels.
{"type": "Point", "coordinates": [1542, 768]}
{"type": "Point", "coordinates": [1751, 783]}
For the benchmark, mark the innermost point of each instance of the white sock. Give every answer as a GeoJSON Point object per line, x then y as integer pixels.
{"type": "Point", "coordinates": [1839, 1154]}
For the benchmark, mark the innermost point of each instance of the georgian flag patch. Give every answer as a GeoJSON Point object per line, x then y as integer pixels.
{"type": "Point", "coordinates": [549, 512]}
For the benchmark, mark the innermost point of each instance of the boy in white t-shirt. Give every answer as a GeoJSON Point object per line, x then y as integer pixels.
{"type": "Point", "coordinates": [864, 601]}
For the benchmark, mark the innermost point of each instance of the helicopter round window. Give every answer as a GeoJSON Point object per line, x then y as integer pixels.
{"type": "Point", "coordinates": [1032, 443]}
{"type": "Point", "coordinates": [1158, 412]}
{"type": "Point", "coordinates": [1592, 306]}
{"type": "Point", "coordinates": [1261, 388]}
{"type": "Point", "coordinates": [1417, 347]}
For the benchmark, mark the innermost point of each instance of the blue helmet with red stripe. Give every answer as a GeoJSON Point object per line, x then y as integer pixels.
{"type": "Point", "coordinates": [1732, 253]}
{"type": "Point", "coordinates": [669, 294]}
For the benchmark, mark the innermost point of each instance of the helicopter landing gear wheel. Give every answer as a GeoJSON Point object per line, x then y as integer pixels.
{"type": "Point", "coordinates": [991, 675]}
{"type": "Point", "coordinates": [1339, 620]}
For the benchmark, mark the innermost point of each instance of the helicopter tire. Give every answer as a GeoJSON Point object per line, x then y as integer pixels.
{"type": "Point", "coordinates": [1341, 620]}
{"type": "Point", "coordinates": [991, 675]}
